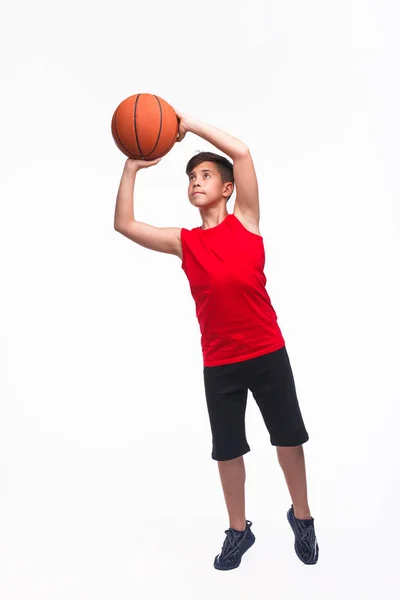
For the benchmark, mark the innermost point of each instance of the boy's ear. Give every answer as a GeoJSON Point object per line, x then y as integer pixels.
{"type": "Point", "coordinates": [228, 187]}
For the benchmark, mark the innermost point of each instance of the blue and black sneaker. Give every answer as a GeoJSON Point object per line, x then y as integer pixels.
{"type": "Point", "coordinates": [235, 545]}
{"type": "Point", "coordinates": [305, 541]}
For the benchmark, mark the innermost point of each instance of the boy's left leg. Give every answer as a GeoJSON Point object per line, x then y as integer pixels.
{"type": "Point", "coordinates": [291, 460]}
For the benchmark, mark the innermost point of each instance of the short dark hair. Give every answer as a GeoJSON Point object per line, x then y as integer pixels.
{"type": "Point", "coordinates": [224, 166]}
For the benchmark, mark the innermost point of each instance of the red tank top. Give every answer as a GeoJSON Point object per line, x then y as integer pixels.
{"type": "Point", "coordinates": [225, 269]}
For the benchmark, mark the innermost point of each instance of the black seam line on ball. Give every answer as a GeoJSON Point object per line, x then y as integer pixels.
{"type": "Point", "coordinates": [116, 132]}
{"type": "Point", "coordinates": [134, 125]}
{"type": "Point", "coordinates": [159, 131]}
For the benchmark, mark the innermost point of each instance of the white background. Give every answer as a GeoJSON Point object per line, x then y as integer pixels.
{"type": "Point", "coordinates": [107, 486]}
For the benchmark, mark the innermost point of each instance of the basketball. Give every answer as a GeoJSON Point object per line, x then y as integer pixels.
{"type": "Point", "coordinates": [144, 126]}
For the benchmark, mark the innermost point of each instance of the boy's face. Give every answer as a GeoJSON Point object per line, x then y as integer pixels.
{"type": "Point", "coordinates": [206, 186]}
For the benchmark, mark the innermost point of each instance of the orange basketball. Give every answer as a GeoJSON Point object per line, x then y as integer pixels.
{"type": "Point", "coordinates": [144, 126]}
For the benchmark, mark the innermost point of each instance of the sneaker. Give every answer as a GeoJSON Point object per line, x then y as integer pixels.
{"type": "Point", "coordinates": [235, 545]}
{"type": "Point", "coordinates": [305, 542]}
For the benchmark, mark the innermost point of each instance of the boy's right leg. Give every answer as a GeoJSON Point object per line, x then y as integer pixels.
{"type": "Point", "coordinates": [239, 537]}
{"type": "Point", "coordinates": [233, 477]}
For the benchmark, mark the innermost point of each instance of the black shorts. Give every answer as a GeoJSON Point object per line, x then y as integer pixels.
{"type": "Point", "coordinates": [270, 380]}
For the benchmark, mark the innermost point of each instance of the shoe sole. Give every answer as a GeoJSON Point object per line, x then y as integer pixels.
{"type": "Point", "coordinates": [315, 559]}
{"type": "Point", "coordinates": [240, 560]}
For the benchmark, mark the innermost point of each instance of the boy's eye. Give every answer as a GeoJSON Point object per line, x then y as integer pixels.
{"type": "Point", "coordinates": [205, 175]}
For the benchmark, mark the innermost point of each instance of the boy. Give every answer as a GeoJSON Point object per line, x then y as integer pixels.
{"type": "Point", "coordinates": [243, 348]}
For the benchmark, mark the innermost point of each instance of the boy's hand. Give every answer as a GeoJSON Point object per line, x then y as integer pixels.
{"type": "Point", "coordinates": [137, 164]}
{"type": "Point", "coordinates": [184, 124]}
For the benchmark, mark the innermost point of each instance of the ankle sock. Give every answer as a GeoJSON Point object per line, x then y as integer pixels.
{"type": "Point", "coordinates": [305, 521]}
{"type": "Point", "coordinates": [238, 531]}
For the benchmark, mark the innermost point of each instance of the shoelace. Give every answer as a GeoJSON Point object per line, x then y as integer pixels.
{"type": "Point", "coordinates": [230, 544]}
{"type": "Point", "coordinates": [308, 536]}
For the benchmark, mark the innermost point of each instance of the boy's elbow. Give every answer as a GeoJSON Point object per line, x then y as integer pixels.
{"type": "Point", "coordinates": [117, 226]}
{"type": "Point", "coordinates": [242, 151]}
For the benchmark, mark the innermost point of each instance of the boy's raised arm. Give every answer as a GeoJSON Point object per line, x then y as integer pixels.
{"type": "Point", "coordinates": [161, 239]}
